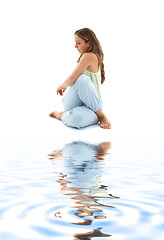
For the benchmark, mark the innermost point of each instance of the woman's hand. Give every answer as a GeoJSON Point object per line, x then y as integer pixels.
{"type": "Point", "coordinates": [61, 90]}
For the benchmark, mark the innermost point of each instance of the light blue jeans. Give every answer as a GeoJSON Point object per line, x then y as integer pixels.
{"type": "Point", "coordinates": [80, 104]}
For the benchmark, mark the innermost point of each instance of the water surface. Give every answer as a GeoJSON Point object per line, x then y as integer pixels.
{"type": "Point", "coordinates": [82, 191]}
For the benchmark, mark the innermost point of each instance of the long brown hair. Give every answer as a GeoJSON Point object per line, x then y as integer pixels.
{"type": "Point", "coordinates": [88, 35]}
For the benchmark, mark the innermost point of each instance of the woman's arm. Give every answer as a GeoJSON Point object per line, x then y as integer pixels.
{"type": "Point", "coordinates": [85, 61]}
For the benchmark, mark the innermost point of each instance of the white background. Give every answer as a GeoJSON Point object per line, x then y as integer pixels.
{"type": "Point", "coordinates": [37, 54]}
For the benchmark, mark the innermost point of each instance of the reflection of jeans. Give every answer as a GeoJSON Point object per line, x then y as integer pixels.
{"type": "Point", "coordinates": [80, 104]}
{"type": "Point", "coordinates": [81, 166]}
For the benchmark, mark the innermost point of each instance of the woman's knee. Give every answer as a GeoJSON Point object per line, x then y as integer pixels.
{"type": "Point", "coordinates": [72, 119]}
{"type": "Point", "coordinates": [82, 80]}
{"type": "Point", "coordinates": [79, 117]}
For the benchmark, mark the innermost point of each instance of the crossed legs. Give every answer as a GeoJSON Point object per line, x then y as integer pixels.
{"type": "Point", "coordinates": [104, 123]}
{"type": "Point", "coordinates": [82, 106]}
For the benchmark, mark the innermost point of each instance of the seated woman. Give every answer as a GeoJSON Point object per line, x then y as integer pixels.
{"type": "Point", "coordinates": [82, 103]}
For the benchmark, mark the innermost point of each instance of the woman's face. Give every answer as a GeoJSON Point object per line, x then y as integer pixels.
{"type": "Point", "coordinates": [80, 44]}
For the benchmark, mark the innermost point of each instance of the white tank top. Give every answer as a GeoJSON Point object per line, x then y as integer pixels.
{"type": "Point", "coordinates": [96, 78]}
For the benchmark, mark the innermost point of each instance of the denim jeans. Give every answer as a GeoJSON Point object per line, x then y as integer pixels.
{"type": "Point", "coordinates": [80, 104]}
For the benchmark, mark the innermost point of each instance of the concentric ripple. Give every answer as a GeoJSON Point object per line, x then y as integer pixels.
{"type": "Point", "coordinates": [82, 192]}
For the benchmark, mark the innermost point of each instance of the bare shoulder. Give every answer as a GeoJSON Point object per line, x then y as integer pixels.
{"type": "Point", "coordinates": [89, 57]}
{"type": "Point", "coordinates": [90, 60]}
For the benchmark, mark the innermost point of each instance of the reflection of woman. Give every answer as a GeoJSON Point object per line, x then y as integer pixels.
{"type": "Point", "coordinates": [83, 163]}
{"type": "Point", "coordinates": [82, 104]}
{"type": "Point", "coordinates": [82, 178]}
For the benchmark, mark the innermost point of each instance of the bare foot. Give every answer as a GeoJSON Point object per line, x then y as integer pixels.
{"type": "Point", "coordinates": [56, 114]}
{"type": "Point", "coordinates": [104, 123]}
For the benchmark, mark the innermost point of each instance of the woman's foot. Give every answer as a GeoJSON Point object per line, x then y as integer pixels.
{"type": "Point", "coordinates": [56, 114]}
{"type": "Point", "coordinates": [104, 123]}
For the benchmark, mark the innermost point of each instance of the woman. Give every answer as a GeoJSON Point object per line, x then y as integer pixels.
{"type": "Point", "coordinates": [82, 103]}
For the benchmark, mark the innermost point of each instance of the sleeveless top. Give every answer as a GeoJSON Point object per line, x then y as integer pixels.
{"type": "Point", "coordinates": [96, 78]}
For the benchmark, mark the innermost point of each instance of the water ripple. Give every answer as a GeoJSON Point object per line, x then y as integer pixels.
{"type": "Point", "coordinates": [81, 192]}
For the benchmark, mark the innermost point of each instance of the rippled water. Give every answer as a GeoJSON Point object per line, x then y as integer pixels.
{"type": "Point", "coordinates": [81, 191]}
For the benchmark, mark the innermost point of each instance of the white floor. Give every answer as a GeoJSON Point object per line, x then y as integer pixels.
{"type": "Point", "coordinates": [37, 54]}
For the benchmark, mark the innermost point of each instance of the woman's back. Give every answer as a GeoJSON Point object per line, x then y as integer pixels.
{"type": "Point", "coordinates": [96, 78]}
